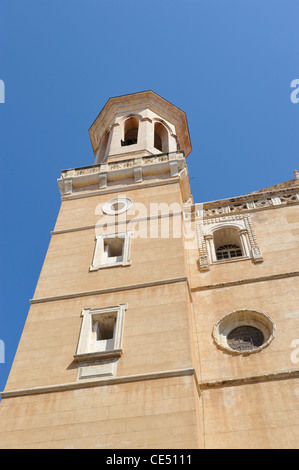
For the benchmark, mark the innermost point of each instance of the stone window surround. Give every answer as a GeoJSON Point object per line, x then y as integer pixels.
{"type": "Point", "coordinates": [98, 263]}
{"type": "Point", "coordinates": [243, 317]}
{"type": "Point", "coordinates": [93, 361]}
{"type": "Point", "coordinates": [87, 349]}
{"type": "Point", "coordinates": [205, 239]}
{"type": "Point", "coordinates": [108, 207]}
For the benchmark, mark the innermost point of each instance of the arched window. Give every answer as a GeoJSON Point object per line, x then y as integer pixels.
{"type": "Point", "coordinates": [130, 131]}
{"type": "Point", "coordinates": [161, 138]}
{"type": "Point", "coordinates": [226, 239]}
{"type": "Point", "coordinates": [227, 243]}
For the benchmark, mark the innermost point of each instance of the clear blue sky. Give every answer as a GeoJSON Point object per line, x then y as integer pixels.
{"type": "Point", "coordinates": [227, 63]}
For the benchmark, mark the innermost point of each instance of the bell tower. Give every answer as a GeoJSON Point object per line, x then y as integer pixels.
{"type": "Point", "coordinates": [157, 322]}
{"type": "Point", "coordinates": [106, 357]}
{"type": "Point", "coordinates": [141, 124]}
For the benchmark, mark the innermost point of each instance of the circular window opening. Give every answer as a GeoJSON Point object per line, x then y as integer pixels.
{"type": "Point", "coordinates": [244, 331]}
{"type": "Point", "coordinates": [245, 338]}
{"type": "Point", "coordinates": [117, 206]}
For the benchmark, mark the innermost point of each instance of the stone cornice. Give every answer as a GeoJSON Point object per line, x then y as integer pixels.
{"type": "Point", "coordinates": [117, 223]}
{"type": "Point", "coordinates": [98, 382]}
{"type": "Point", "coordinates": [110, 289]}
{"type": "Point", "coordinates": [119, 189]}
{"type": "Point", "coordinates": [128, 172]}
{"type": "Point", "coordinates": [242, 204]}
{"type": "Point", "coordinates": [239, 282]}
{"type": "Point", "coordinates": [252, 379]}
{"type": "Point", "coordinates": [200, 385]}
{"type": "Point", "coordinates": [271, 277]}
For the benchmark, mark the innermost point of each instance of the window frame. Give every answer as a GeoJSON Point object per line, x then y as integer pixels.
{"type": "Point", "coordinates": [161, 131]}
{"type": "Point", "coordinates": [243, 245]}
{"type": "Point", "coordinates": [87, 350]}
{"type": "Point", "coordinates": [109, 209]}
{"type": "Point", "coordinates": [99, 257]}
{"type": "Point", "coordinates": [207, 249]}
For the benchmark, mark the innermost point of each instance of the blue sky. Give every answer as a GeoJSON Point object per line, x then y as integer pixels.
{"type": "Point", "coordinates": [227, 63]}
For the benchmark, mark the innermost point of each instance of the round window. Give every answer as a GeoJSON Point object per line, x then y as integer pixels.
{"type": "Point", "coordinates": [244, 331]}
{"type": "Point", "coordinates": [245, 338]}
{"type": "Point", "coordinates": [117, 206]}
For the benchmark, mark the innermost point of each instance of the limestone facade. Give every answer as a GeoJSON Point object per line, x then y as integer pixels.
{"type": "Point", "coordinates": [158, 322]}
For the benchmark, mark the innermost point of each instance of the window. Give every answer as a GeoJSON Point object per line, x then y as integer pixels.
{"type": "Point", "coordinates": [227, 243]}
{"type": "Point", "coordinates": [228, 251]}
{"type": "Point", "coordinates": [226, 239]}
{"type": "Point", "coordinates": [103, 329]}
{"type": "Point", "coordinates": [111, 250]}
{"type": "Point", "coordinates": [100, 341]}
{"type": "Point", "coordinates": [245, 338]}
{"type": "Point", "coordinates": [130, 131]}
{"type": "Point", "coordinates": [161, 138]}
{"type": "Point", "coordinates": [244, 331]}
{"type": "Point", "coordinates": [117, 206]}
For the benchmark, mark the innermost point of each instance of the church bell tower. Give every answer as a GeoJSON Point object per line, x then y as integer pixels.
{"type": "Point", "coordinates": [157, 322]}
{"type": "Point", "coordinates": [106, 358]}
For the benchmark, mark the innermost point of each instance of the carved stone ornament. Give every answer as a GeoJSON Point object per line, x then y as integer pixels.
{"type": "Point", "coordinates": [242, 224]}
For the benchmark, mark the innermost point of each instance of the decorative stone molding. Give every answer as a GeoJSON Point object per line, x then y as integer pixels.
{"type": "Point", "coordinates": [109, 290]}
{"type": "Point", "coordinates": [101, 257]}
{"type": "Point", "coordinates": [242, 204]}
{"type": "Point", "coordinates": [117, 205]}
{"type": "Point", "coordinates": [132, 170]}
{"type": "Point", "coordinates": [68, 186]}
{"type": "Point", "coordinates": [193, 211]}
{"type": "Point", "coordinates": [251, 379]}
{"type": "Point", "coordinates": [101, 381]}
{"type": "Point", "coordinates": [245, 204]}
{"type": "Point", "coordinates": [242, 282]}
{"type": "Point", "coordinates": [205, 238]}
{"type": "Point", "coordinates": [100, 341]}
{"type": "Point", "coordinates": [243, 317]}
{"type": "Point", "coordinates": [202, 247]}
